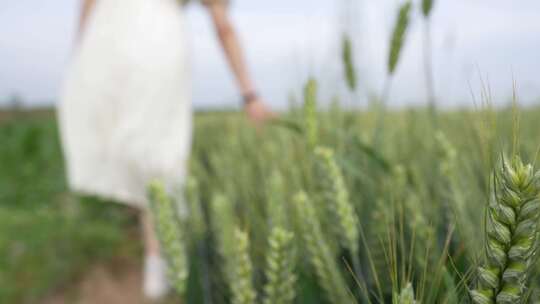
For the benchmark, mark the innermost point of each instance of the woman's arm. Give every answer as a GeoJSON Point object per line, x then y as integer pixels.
{"type": "Point", "coordinates": [87, 7]}
{"type": "Point", "coordinates": [254, 106]}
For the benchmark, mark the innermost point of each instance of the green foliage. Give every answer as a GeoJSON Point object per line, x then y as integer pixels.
{"type": "Point", "coordinates": [419, 199]}
{"type": "Point", "coordinates": [48, 236]}
{"type": "Point", "coordinates": [398, 36]}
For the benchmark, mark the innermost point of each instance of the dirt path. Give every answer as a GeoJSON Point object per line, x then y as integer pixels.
{"type": "Point", "coordinates": [117, 283]}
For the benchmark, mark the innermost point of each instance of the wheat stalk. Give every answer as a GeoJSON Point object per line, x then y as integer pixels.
{"type": "Point", "coordinates": [321, 258]}
{"type": "Point", "coordinates": [280, 258]}
{"type": "Point", "coordinates": [427, 7]}
{"type": "Point", "coordinates": [338, 202]}
{"type": "Point", "coordinates": [196, 217]}
{"type": "Point", "coordinates": [512, 229]}
{"type": "Point", "coordinates": [406, 296]}
{"type": "Point", "coordinates": [348, 62]}
{"type": "Point", "coordinates": [223, 224]}
{"type": "Point", "coordinates": [424, 232]}
{"type": "Point", "coordinates": [172, 240]}
{"type": "Point", "coordinates": [276, 208]}
{"type": "Point", "coordinates": [398, 36]}
{"type": "Point", "coordinates": [417, 221]}
{"type": "Point", "coordinates": [381, 226]}
{"type": "Point", "coordinates": [396, 45]}
{"type": "Point", "coordinates": [311, 124]}
{"type": "Point", "coordinates": [241, 280]}
{"type": "Point", "coordinates": [234, 248]}
{"type": "Point", "coordinates": [449, 152]}
{"type": "Point", "coordinates": [280, 287]}
{"type": "Point", "coordinates": [460, 214]}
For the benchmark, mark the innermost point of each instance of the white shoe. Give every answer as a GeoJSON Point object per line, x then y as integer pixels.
{"type": "Point", "coordinates": [155, 278]}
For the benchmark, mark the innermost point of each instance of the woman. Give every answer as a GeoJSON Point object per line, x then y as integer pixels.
{"type": "Point", "coordinates": [125, 113]}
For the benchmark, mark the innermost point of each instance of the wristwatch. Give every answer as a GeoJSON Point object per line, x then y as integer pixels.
{"type": "Point", "coordinates": [250, 97]}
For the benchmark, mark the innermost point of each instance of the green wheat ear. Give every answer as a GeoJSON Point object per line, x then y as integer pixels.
{"type": "Point", "coordinates": [406, 296]}
{"type": "Point", "coordinates": [326, 268]}
{"type": "Point", "coordinates": [172, 240]}
{"type": "Point", "coordinates": [348, 62]}
{"type": "Point", "coordinates": [337, 197]}
{"type": "Point", "coordinates": [311, 123]}
{"type": "Point", "coordinates": [512, 230]}
{"type": "Point", "coordinates": [233, 246]}
{"type": "Point", "coordinates": [223, 225]}
{"type": "Point", "coordinates": [427, 7]}
{"type": "Point", "coordinates": [196, 217]}
{"type": "Point", "coordinates": [241, 282]}
{"type": "Point", "coordinates": [398, 36]}
{"type": "Point", "coordinates": [276, 207]}
{"type": "Point", "coordinates": [280, 287]}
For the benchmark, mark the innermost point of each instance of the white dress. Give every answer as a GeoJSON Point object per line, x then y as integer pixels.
{"type": "Point", "coordinates": [125, 110]}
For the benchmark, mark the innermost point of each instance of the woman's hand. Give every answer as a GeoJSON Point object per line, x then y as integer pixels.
{"type": "Point", "coordinates": [258, 112]}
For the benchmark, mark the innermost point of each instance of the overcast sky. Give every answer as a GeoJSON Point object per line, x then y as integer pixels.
{"type": "Point", "coordinates": [285, 40]}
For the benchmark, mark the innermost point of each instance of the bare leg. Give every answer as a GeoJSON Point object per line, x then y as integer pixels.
{"type": "Point", "coordinates": [155, 282]}
{"type": "Point", "coordinates": [150, 239]}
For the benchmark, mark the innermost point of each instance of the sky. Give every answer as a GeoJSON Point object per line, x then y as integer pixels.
{"type": "Point", "coordinates": [490, 42]}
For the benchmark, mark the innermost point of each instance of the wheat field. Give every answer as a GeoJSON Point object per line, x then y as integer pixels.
{"type": "Point", "coordinates": [324, 204]}
{"type": "Point", "coordinates": [349, 213]}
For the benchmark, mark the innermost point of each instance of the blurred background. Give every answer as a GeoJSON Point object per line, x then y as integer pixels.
{"type": "Point", "coordinates": [57, 247]}
{"type": "Point", "coordinates": [286, 40]}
